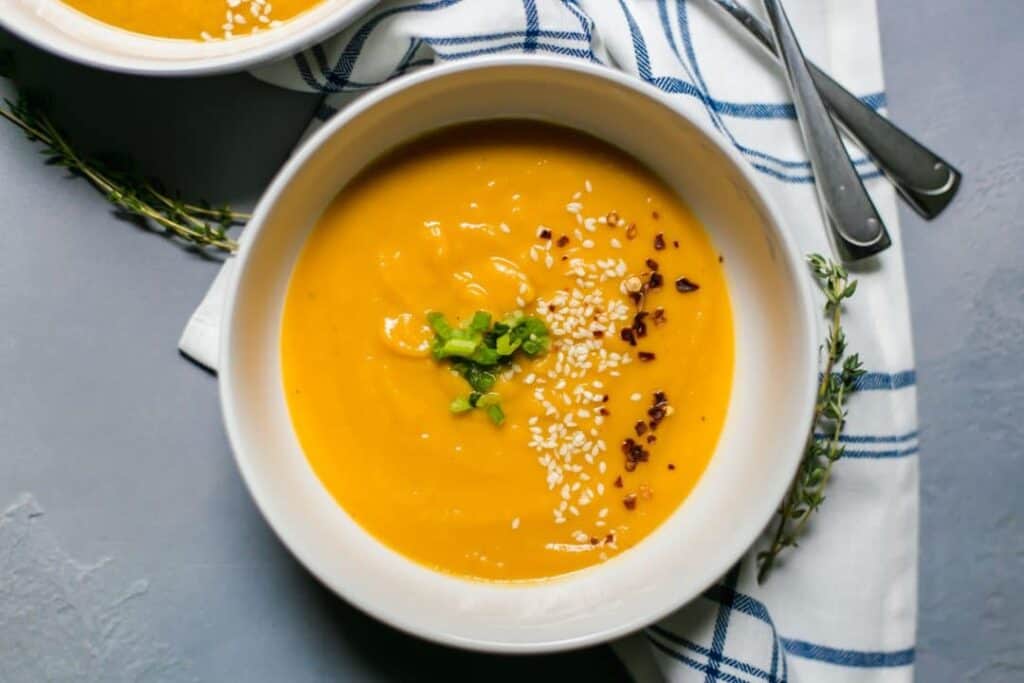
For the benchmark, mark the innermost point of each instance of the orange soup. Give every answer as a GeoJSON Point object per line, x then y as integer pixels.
{"type": "Point", "coordinates": [193, 19]}
{"type": "Point", "coordinates": [508, 350]}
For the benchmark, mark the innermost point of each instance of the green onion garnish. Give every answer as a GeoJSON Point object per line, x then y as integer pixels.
{"type": "Point", "coordinates": [479, 351]}
{"type": "Point", "coordinates": [496, 414]}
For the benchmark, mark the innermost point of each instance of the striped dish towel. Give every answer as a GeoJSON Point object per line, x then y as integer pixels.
{"type": "Point", "coordinates": [843, 606]}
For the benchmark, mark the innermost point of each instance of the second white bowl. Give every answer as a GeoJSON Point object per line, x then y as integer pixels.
{"type": "Point", "coordinates": [56, 27]}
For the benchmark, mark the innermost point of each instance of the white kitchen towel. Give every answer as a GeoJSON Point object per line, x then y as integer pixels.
{"type": "Point", "coordinates": [843, 606]}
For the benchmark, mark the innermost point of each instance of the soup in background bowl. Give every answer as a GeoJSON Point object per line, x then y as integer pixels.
{"type": "Point", "coordinates": [411, 234]}
{"type": "Point", "coordinates": [177, 38]}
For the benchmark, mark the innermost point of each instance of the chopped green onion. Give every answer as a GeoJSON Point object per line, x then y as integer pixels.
{"type": "Point", "coordinates": [489, 399]}
{"type": "Point", "coordinates": [505, 346]}
{"type": "Point", "coordinates": [460, 405]}
{"type": "Point", "coordinates": [479, 351]}
{"type": "Point", "coordinates": [484, 355]}
{"type": "Point", "coordinates": [481, 380]}
{"type": "Point", "coordinates": [480, 322]}
{"type": "Point", "coordinates": [459, 347]}
{"type": "Point", "coordinates": [496, 414]}
{"type": "Point", "coordinates": [440, 326]}
{"type": "Point", "coordinates": [513, 318]}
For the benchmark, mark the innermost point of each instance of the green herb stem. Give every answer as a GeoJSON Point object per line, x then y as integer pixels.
{"type": "Point", "coordinates": [194, 223]}
{"type": "Point", "coordinates": [806, 492]}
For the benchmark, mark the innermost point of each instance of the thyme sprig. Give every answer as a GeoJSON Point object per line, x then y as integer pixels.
{"type": "Point", "coordinates": [196, 223]}
{"type": "Point", "coordinates": [823, 449]}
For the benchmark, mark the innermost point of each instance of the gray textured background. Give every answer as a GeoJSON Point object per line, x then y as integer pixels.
{"type": "Point", "coordinates": [120, 441]}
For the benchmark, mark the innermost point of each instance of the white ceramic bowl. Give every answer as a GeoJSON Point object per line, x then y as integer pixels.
{"type": "Point", "coordinates": [58, 28]}
{"type": "Point", "coordinates": [768, 416]}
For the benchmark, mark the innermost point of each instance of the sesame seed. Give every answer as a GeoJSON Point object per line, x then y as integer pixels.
{"type": "Point", "coordinates": [637, 396]}
{"type": "Point", "coordinates": [515, 523]}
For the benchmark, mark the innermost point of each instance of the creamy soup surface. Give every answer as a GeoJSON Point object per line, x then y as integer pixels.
{"type": "Point", "coordinates": [604, 434]}
{"type": "Point", "coordinates": [193, 19]}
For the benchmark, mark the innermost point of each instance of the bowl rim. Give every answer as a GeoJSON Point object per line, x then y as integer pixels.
{"type": "Point", "coordinates": [232, 62]}
{"type": "Point", "coordinates": [738, 546]}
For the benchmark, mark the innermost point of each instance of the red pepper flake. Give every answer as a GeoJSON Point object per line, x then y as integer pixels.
{"type": "Point", "coordinates": [598, 334]}
{"type": "Point", "coordinates": [640, 427]}
{"type": "Point", "coordinates": [639, 326]}
{"type": "Point", "coordinates": [618, 482]}
{"type": "Point", "coordinates": [630, 501]}
{"type": "Point", "coordinates": [631, 231]}
{"type": "Point", "coordinates": [671, 466]}
{"type": "Point", "coordinates": [545, 234]}
{"type": "Point", "coordinates": [628, 335]}
{"type": "Point", "coordinates": [660, 398]}
{"type": "Point", "coordinates": [659, 316]}
{"type": "Point", "coordinates": [657, 279]}
{"type": "Point", "coordinates": [563, 241]}
{"type": "Point", "coordinates": [645, 356]}
{"type": "Point", "coordinates": [610, 538]}
{"type": "Point", "coordinates": [602, 411]}
{"type": "Point", "coordinates": [675, 243]}
{"type": "Point", "coordinates": [604, 399]}
{"type": "Point", "coordinates": [565, 258]}
{"type": "Point", "coordinates": [594, 541]}
{"type": "Point", "coordinates": [636, 297]}
{"type": "Point", "coordinates": [651, 438]}
{"type": "Point", "coordinates": [612, 218]}
{"type": "Point", "coordinates": [655, 215]}
{"type": "Point", "coordinates": [685, 286]}
{"type": "Point", "coordinates": [651, 263]}
{"type": "Point", "coordinates": [659, 242]}
{"type": "Point", "coordinates": [721, 259]}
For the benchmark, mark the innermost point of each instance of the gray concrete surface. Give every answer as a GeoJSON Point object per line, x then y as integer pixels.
{"type": "Point", "coordinates": [119, 439]}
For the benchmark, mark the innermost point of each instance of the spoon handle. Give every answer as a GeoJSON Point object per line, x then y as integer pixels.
{"type": "Point", "coordinates": [924, 179]}
{"type": "Point", "coordinates": [856, 228]}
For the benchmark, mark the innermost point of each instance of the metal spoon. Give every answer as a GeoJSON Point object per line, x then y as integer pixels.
{"type": "Point", "coordinates": [856, 228]}
{"type": "Point", "coordinates": [925, 180]}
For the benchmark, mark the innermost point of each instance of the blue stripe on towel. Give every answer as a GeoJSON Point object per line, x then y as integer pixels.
{"type": "Point", "coordinates": [694, 664]}
{"type": "Point", "coordinates": [721, 629]}
{"type": "Point", "coordinates": [875, 438]}
{"type": "Point", "coordinates": [481, 37]}
{"type": "Point", "coordinates": [876, 381]}
{"type": "Point", "coordinates": [863, 659]}
{"type": "Point", "coordinates": [643, 59]}
{"type": "Point", "coordinates": [748, 669]}
{"type": "Point", "coordinates": [881, 455]}
{"type": "Point", "coordinates": [532, 25]}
